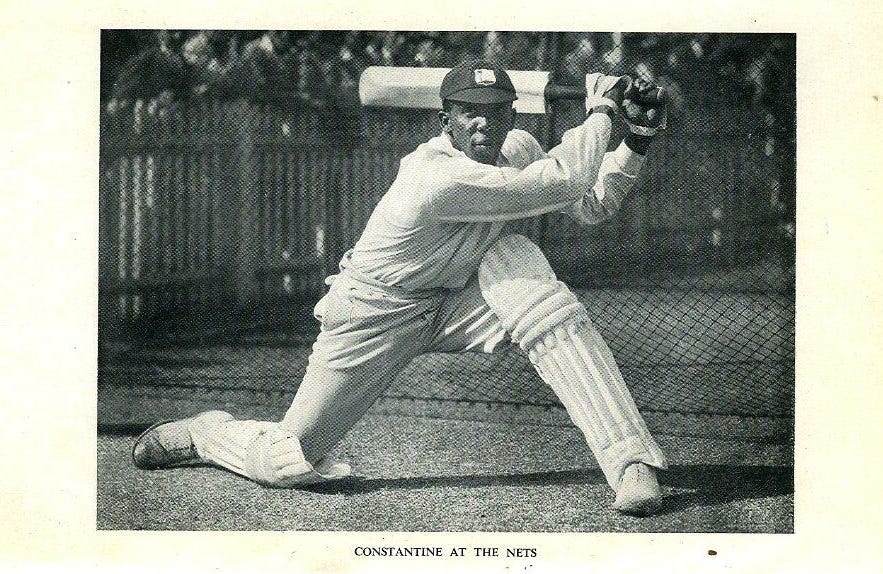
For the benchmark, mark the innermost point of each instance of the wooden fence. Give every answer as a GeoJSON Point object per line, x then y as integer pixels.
{"type": "Point", "coordinates": [217, 206]}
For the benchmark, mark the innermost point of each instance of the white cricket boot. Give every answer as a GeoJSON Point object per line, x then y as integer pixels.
{"type": "Point", "coordinates": [639, 493]}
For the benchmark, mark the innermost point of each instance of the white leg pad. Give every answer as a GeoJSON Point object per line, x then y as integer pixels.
{"type": "Point", "coordinates": [548, 322]}
{"type": "Point", "coordinates": [260, 450]}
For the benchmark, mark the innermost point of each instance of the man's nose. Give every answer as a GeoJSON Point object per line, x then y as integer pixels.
{"type": "Point", "coordinates": [480, 123]}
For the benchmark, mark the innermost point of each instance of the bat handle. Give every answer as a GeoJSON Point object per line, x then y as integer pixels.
{"type": "Point", "coordinates": [561, 92]}
{"type": "Point", "coordinates": [555, 92]}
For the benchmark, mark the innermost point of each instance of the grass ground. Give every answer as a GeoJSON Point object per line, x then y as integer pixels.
{"type": "Point", "coordinates": [419, 474]}
{"type": "Point", "coordinates": [721, 355]}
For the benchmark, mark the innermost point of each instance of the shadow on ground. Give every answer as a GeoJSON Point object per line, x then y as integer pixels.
{"type": "Point", "coordinates": [716, 484]}
{"type": "Point", "coordinates": [419, 474]}
{"type": "Point", "coordinates": [360, 485]}
{"type": "Point", "coordinates": [694, 485]}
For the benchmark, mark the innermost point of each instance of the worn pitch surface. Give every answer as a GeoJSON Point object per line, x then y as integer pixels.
{"type": "Point", "coordinates": [423, 474]}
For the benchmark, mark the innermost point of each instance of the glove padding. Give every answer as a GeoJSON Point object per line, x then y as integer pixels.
{"type": "Point", "coordinates": [644, 120]}
{"type": "Point", "coordinates": [599, 88]}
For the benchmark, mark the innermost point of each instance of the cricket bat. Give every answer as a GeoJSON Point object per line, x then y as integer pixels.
{"type": "Point", "coordinates": [403, 87]}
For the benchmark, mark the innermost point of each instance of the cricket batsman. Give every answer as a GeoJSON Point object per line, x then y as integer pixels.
{"type": "Point", "coordinates": [434, 272]}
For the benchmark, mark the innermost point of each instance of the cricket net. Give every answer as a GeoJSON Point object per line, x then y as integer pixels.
{"type": "Point", "coordinates": [226, 199]}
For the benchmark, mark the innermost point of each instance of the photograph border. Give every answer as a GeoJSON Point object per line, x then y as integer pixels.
{"type": "Point", "coordinates": [55, 348]}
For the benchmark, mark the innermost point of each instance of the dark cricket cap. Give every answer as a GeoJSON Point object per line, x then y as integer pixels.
{"type": "Point", "coordinates": [477, 82]}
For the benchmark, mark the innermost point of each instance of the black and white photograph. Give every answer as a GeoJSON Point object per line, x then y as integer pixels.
{"type": "Point", "coordinates": [446, 281]}
{"type": "Point", "coordinates": [491, 286]}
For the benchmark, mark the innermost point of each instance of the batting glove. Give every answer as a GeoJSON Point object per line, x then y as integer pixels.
{"type": "Point", "coordinates": [604, 90]}
{"type": "Point", "coordinates": [644, 120]}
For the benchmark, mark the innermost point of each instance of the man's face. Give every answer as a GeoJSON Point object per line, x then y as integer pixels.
{"type": "Point", "coordinates": [478, 130]}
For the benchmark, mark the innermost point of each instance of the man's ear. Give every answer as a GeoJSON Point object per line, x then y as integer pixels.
{"type": "Point", "coordinates": [444, 119]}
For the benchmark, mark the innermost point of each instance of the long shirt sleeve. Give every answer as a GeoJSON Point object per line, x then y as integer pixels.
{"type": "Point", "coordinates": [474, 192]}
{"type": "Point", "coordinates": [443, 211]}
{"type": "Point", "coordinates": [616, 177]}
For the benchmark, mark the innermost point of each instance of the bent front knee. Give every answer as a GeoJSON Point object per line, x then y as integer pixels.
{"type": "Point", "coordinates": [511, 257]}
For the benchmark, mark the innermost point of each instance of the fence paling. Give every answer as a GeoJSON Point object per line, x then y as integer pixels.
{"type": "Point", "coordinates": [175, 233]}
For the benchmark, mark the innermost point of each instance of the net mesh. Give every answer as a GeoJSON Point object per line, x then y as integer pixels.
{"type": "Point", "coordinates": [237, 167]}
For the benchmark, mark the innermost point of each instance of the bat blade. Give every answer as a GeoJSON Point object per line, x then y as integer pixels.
{"type": "Point", "coordinates": [403, 87]}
